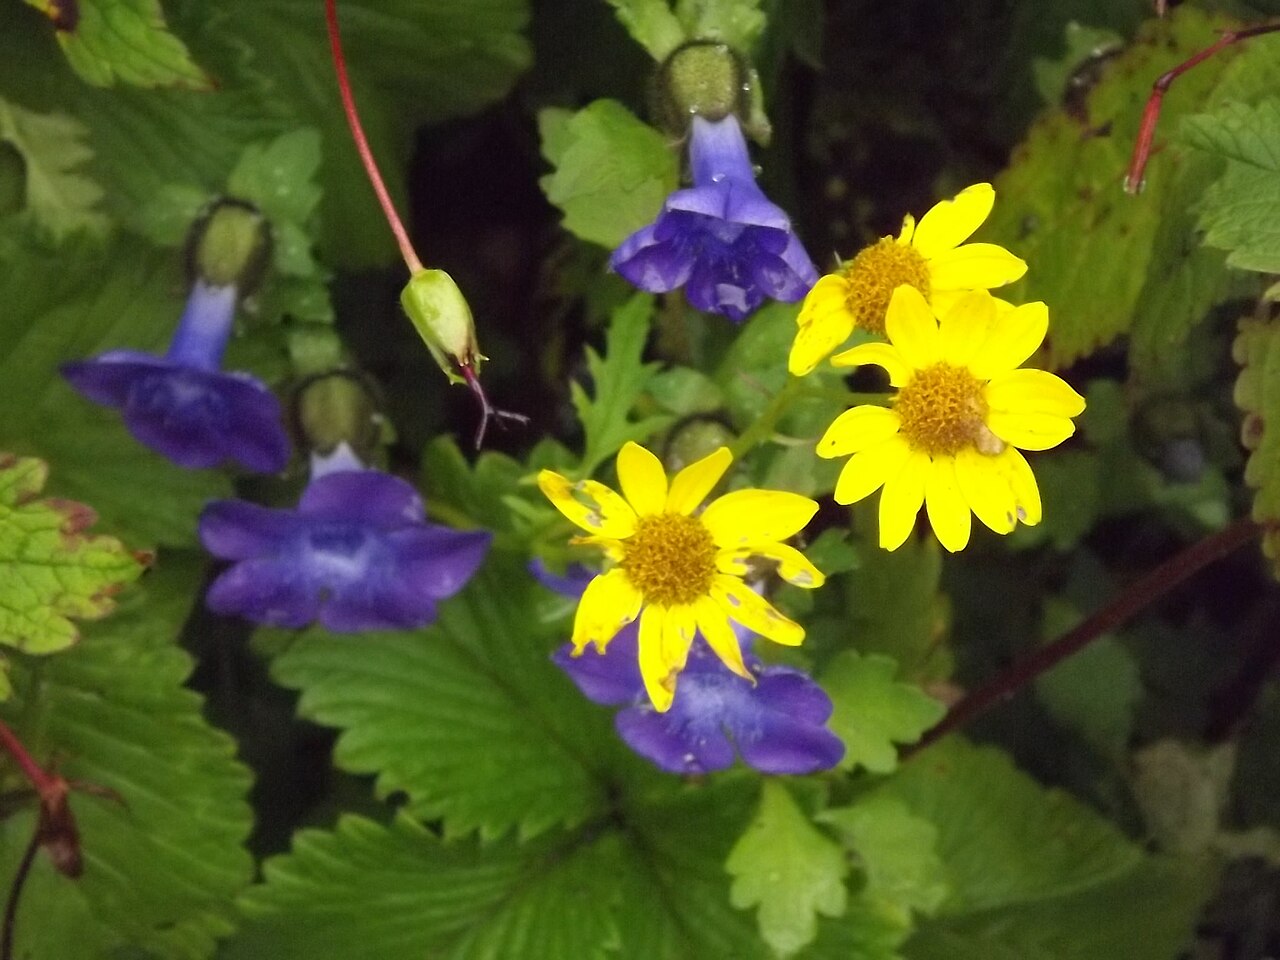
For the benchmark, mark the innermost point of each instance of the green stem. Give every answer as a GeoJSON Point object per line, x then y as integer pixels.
{"type": "Point", "coordinates": [763, 428]}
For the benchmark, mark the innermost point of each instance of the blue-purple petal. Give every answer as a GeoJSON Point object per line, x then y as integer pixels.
{"type": "Point", "coordinates": [435, 561]}
{"type": "Point", "coordinates": [367, 496]}
{"type": "Point", "coordinates": [611, 678]}
{"type": "Point", "coordinates": [661, 739]}
{"type": "Point", "coordinates": [237, 530]}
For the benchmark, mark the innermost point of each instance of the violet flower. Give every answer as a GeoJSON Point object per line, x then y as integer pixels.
{"type": "Point", "coordinates": [776, 724]}
{"type": "Point", "coordinates": [181, 404]}
{"type": "Point", "coordinates": [721, 239]}
{"type": "Point", "coordinates": [355, 554]}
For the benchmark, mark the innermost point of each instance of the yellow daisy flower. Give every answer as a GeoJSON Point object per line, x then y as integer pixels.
{"type": "Point", "coordinates": [962, 408]}
{"type": "Point", "coordinates": [679, 572]}
{"type": "Point", "coordinates": [931, 257]}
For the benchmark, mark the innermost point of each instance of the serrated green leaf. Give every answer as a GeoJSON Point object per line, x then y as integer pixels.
{"type": "Point", "coordinates": [738, 23]}
{"type": "Point", "coordinates": [123, 41]}
{"type": "Point", "coordinates": [74, 302]}
{"type": "Point", "coordinates": [50, 569]}
{"type": "Point", "coordinates": [1241, 211]}
{"type": "Point", "coordinates": [869, 930]}
{"type": "Point", "coordinates": [652, 24]}
{"type": "Point", "coordinates": [873, 711]}
{"type": "Point", "coordinates": [618, 379]}
{"type": "Point", "coordinates": [1097, 255]}
{"type": "Point", "coordinates": [612, 171]}
{"type": "Point", "coordinates": [896, 850]}
{"type": "Point", "coordinates": [1148, 913]}
{"type": "Point", "coordinates": [788, 870]}
{"type": "Point", "coordinates": [57, 194]}
{"type": "Point", "coordinates": [1257, 393]}
{"type": "Point", "coordinates": [1003, 837]}
{"type": "Point", "coordinates": [444, 715]}
{"type": "Point", "coordinates": [162, 867]}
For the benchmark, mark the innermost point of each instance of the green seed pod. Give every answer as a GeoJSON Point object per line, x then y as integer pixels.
{"type": "Point", "coordinates": [230, 245]}
{"type": "Point", "coordinates": [338, 407]}
{"type": "Point", "coordinates": [442, 318]}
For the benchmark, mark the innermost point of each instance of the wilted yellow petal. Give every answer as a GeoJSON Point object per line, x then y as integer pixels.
{"type": "Point", "coordinates": [590, 505]}
{"type": "Point", "coordinates": [754, 612]}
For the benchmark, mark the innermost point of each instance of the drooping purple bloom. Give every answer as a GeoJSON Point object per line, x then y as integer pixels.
{"type": "Point", "coordinates": [181, 404]}
{"type": "Point", "coordinates": [721, 239]}
{"type": "Point", "coordinates": [776, 725]}
{"type": "Point", "coordinates": [355, 554]}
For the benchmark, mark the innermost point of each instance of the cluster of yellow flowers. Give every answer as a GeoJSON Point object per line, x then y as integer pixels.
{"type": "Point", "coordinates": [948, 440]}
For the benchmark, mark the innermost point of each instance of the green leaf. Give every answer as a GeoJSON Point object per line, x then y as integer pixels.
{"type": "Point", "coordinates": [123, 41]}
{"type": "Point", "coordinates": [161, 868]}
{"type": "Point", "coordinates": [1241, 211]}
{"type": "Point", "coordinates": [897, 852]}
{"type": "Point", "coordinates": [618, 381]}
{"type": "Point", "coordinates": [1099, 257]}
{"type": "Point", "coordinates": [871, 929]}
{"type": "Point", "coordinates": [787, 869]}
{"type": "Point", "coordinates": [612, 171]}
{"type": "Point", "coordinates": [651, 24]}
{"type": "Point", "coordinates": [58, 196]}
{"type": "Point", "coordinates": [50, 569]}
{"type": "Point", "coordinates": [1148, 913]}
{"type": "Point", "coordinates": [1257, 393]}
{"type": "Point", "coordinates": [75, 302]}
{"type": "Point", "coordinates": [1003, 837]}
{"type": "Point", "coordinates": [738, 23]}
{"type": "Point", "coordinates": [400, 700]}
{"type": "Point", "coordinates": [874, 712]}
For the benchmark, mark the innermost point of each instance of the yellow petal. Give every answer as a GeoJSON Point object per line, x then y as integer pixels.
{"type": "Point", "coordinates": [950, 222]}
{"type": "Point", "coordinates": [908, 231]}
{"type": "Point", "coordinates": [590, 505]}
{"type": "Point", "coordinates": [613, 549]}
{"type": "Point", "coordinates": [857, 429]}
{"type": "Point", "coordinates": [1025, 490]}
{"type": "Point", "coordinates": [659, 680]}
{"type": "Point", "coordinates": [882, 355]}
{"type": "Point", "coordinates": [643, 481]}
{"type": "Point", "coordinates": [868, 469]}
{"type": "Point", "coordinates": [793, 566]}
{"type": "Point", "coordinates": [985, 485]}
{"type": "Point", "coordinates": [678, 632]}
{"type": "Point", "coordinates": [964, 328]}
{"type": "Point", "coordinates": [900, 502]}
{"type": "Point", "coordinates": [716, 630]}
{"type": "Point", "coordinates": [1033, 391]}
{"type": "Point", "coordinates": [691, 485]}
{"type": "Point", "coordinates": [948, 511]}
{"type": "Point", "coordinates": [1030, 431]}
{"type": "Point", "coordinates": [750, 516]}
{"type": "Point", "coordinates": [608, 604]}
{"type": "Point", "coordinates": [817, 338]}
{"type": "Point", "coordinates": [911, 326]}
{"type": "Point", "coordinates": [1014, 336]}
{"type": "Point", "coordinates": [753, 611]}
{"type": "Point", "coordinates": [827, 294]}
{"type": "Point", "coordinates": [975, 266]}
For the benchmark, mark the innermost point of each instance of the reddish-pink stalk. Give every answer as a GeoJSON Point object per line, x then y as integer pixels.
{"type": "Point", "coordinates": [1133, 180]}
{"type": "Point", "coordinates": [362, 143]}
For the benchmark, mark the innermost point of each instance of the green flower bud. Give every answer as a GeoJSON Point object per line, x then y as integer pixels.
{"type": "Point", "coordinates": [704, 78]}
{"type": "Point", "coordinates": [13, 179]}
{"type": "Point", "coordinates": [694, 438]}
{"type": "Point", "coordinates": [442, 318]}
{"type": "Point", "coordinates": [230, 245]}
{"type": "Point", "coordinates": [339, 407]}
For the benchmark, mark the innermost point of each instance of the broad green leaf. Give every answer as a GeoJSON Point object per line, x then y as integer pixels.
{"type": "Point", "coordinates": [123, 41]}
{"type": "Point", "coordinates": [50, 569]}
{"type": "Point", "coordinates": [871, 929]}
{"type": "Point", "coordinates": [468, 718]}
{"type": "Point", "coordinates": [738, 23]}
{"type": "Point", "coordinates": [1004, 838]}
{"type": "Point", "coordinates": [57, 194]}
{"type": "Point", "coordinates": [1183, 791]}
{"type": "Point", "coordinates": [896, 850]}
{"type": "Point", "coordinates": [75, 302]}
{"type": "Point", "coordinates": [1240, 213]}
{"type": "Point", "coordinates": [787, 870]}
{"type": "Point", "coordinates": [618, 379]}
{"type": "Point", "coordinates": [162, 867]}
{"type": "Point", "coordinates": [612, 170]}
{"type": "Point", "coordinates": [1083, 43]}
{"type": "Point", "coordinates": [1100, 258]}
{"type": "Point", "coordinates": [652, 24]}
{"type": "Point", "coordinates": [873, 711]}
{"type": "Point", "coordinates": [1257, 393]}
{"type": "Point", "coordinates": [1148, 913]}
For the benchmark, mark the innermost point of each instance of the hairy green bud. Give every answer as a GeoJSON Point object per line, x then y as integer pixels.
{"type": "Point", "coordinates": [338, 407]}
{"type": "Point", "coordinates": [702, 78]}
{"type": "Point", "coordinates": [230, 245]}
{"type": "Point", "coordinates": [441, 316]}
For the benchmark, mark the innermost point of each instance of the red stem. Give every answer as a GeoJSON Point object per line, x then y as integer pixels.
{"type": "Point", "coordinates": [1133, 180]}
{"type": "Point", "coordinates": [44, 783]}
{"type": "Point", "coordinates": [1135, 598]}
{"type": "Point", "coordinates": [362, 144]}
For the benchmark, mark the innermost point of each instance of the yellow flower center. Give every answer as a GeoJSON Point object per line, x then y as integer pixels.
{"type": "Point", "coordinates": [671, 559]}
{"type": "Point", "coordinates": [875, 273]}
{"type": "Point", "coordinates": [943, 411]}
